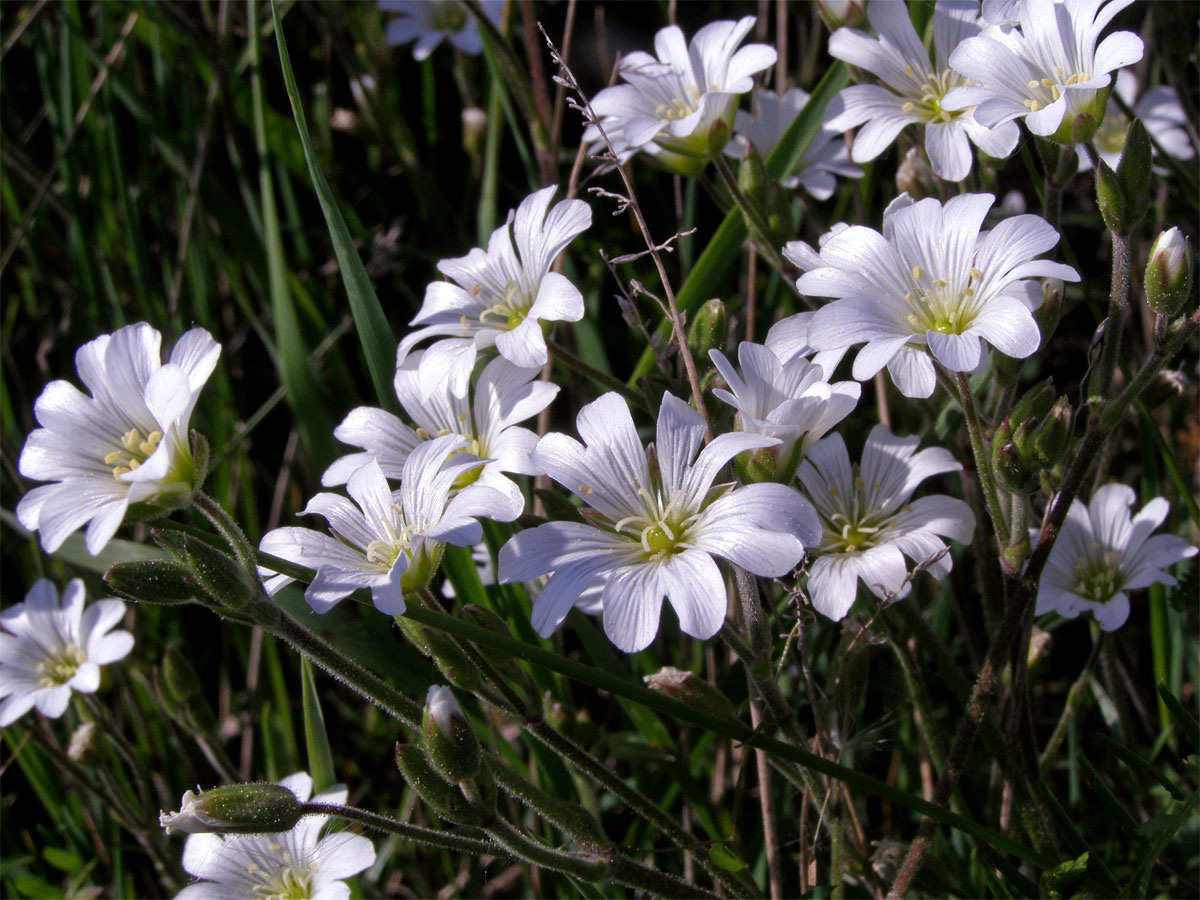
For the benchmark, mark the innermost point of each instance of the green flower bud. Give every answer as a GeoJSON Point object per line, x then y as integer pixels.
{"type": "Point", "coordinates": [443, 798]}
{"type": "Point", "coordinates": [1052, 438]}
{"type": "Point", "coordinates": [1048, 313]}
{"type": "Point", "coordinates": [474, 129]}
{"type": "Point", "coordinates": [708, 328]}
{"type": "Point", "coordinates": [220, 575]}
{"type": "Point", "coordinates": [450, 742]}
{"type": "Point", "coordinates": [450, 659]}
{"type": "Point", "coordinates": [171, 541]}
{"type": "Point", "coordinates": [842, 13]}
{"type": "Point", "coordinates": [1023, 437]}
{"type": "Point", "coordinates": [1013, 471]}
{"type": "Point", "coordinates": [82, 748]}
{"type": "Point", "coordinates": [1110, 197]}
{"type": "Point", "coordinates": [1034, 403]}
{"type": "Point", "coordinates": [157, 581]}
{"type": "Point", "coordinates": [691, 689]}
{"type": "Point", "coordinates": [1168, 278]}
{"type": "Point", "coordinates": [1133, 171]}
{"type": "Point", "coordinates": [180, 680]}
{"type": "Point", "coordinates": [236, 809]}
{"type": "Point", "coordinates": [755, 466]}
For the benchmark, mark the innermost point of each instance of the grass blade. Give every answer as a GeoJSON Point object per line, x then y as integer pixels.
{"type": "Point", "coordinates": [320, 756]}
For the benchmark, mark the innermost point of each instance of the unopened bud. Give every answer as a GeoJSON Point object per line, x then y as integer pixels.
{"type": "Point", "coordinates": [442, 797]}
{"type": "Point", "coordinates": [157, 581]}
{"type": "Point", "coordinates": [707, 331]}
{"type": "Point", "coordinates": [1034, 403]}
{"type": "Point", "coordinates": [1048, 313]}
{"type": "Point", "coordinates": [1013, 471]}
{"type": "Point", "coordinates": [1168, 278]}
{"type": "Point", "coordinates": [235, 809]}
{"type": "Point", "coordinates": [755, 466]}
{"type": "Point", "coordinates": [1111, 199]}
{"type": "Point", "coordinates": [842, 13]}
{"type": "Point", "coordinates": [450, 741]}
{"type": "Point", "coordinates": [1053, 437]}
{"type": "Point", "coordinates": [220, 575]}
{"type": "Point", "coordinates": [1133, 171]}
{"type": "Point", "coordinates": [691, 689]}
{"type": "Point", "coordinates": [914, 176]}
{"type": "Point", "coordinates": [82, 747]}
{"type": "Point", "coordinates": [180, 680]}
{"type": "Point", "coordinates": [1023, 436]}
{"type": "Point", "coordinates": [450, 659]}
{"type": "Point", "coordinates": [474, 128]}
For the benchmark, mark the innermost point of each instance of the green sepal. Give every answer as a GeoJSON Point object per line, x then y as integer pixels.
{"type": "Point", "coordinates": [220, 575]}
{"type": "Point", "coordinates": [159, 582]}
{"type": "Point", "coordinates": [707, 331]}
{"type": "Point", "coordinates": [443, 798]}
{"type": "Point", "coordinates": [1134, 170]}
{"type": "Point", "coordinates": [1111, 199]}
{"type": "Point", "coordinates": [259, 808]}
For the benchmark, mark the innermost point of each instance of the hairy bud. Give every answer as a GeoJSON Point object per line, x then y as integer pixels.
{"type": "Point", "coordinates": [442, 797]}
{"type": "Point", "coordinates": [1110, 197]}
{"type": "Point", "coordinates": [1168, 278]}
{"type": "Point", "coordinates": [691, 689]}
{"type": "Point", "coordinates": [450, 741]}
{"type": "Point", "coordinates": [157, 581]}
{"type": "Point", "coordinates": [707, 331]}
{"type": "Point", "coordinates": [235, 809]}
{"type": "Point", "coordinates": [220, 575]}
{"type": "Point", "coordinates": [1133, 171]}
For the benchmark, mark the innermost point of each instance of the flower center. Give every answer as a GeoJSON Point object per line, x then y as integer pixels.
{"type": "Point", "coordinates": [1098, 576]}
{"type": "Point", "coordinates": [928, 102]}
{"type": "Point", "coordinates": [856, 525]}
{"type": "Point", "coordinates": [135, 450]}
{"type": "Point", "coordinates": [447, 16]}
{"type": "Point", "coordinates": [57, 670]}
{"type": "Point", "coordinates": [1047, 90]}
{"type": "Point", "coordinates": [679, 107]}
{"type": "Point", "coordinates": [511, 311]}
{"type": "Point", "coordinates": [942, 305]}
{"type": "Point", "coordinates": [661, 530]}
{"type": "Point", "coordinates": [291, 883]}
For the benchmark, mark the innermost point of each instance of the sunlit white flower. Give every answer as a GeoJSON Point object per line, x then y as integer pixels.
{"type": "Point", "coordinates": [47, 650]}
{"type": "Point", "coordinates": [126, 443]}
{"type": "Point", "coordinates": [913, 87]}
{"type": "Point", "coordinates": [296, 863]}
{"type": "Point", "coordinates": [1048, 71]}
{"type": "Point", "coordinates": [825, 157]}
{"type": "Point", "coordinates": [504, 395]}
{"type": "Point", "coordinates": [383, 541]}
{"type": "Point", "coordinates": [685, 99]}
{"type": "Point", "coordinates": [868, 524]}
{"type": "Point", "coordinates": [788, 338]}
{"type": "Point", "coordinates": [932, 280]}
{"type": "Point", "coordinates": [1160, 112]}
{"type": "Point", "coordinates": [499, 297]}
{"type": "Point", "coordinates": [428, 22]}
{"type": "Point", "coordinates": [655, 528]}
{"type": "Point", "coordinates": [1102, 553]}
{"type": "Point", "coordinates": [791, 401]}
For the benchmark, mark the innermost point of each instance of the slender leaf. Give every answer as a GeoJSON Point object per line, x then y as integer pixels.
{"type": "Point", "coordinates": [316, 739]}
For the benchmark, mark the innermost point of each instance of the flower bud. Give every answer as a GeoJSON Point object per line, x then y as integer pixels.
{"type": "Point", "coordinates": [1048, 313]}
{"type": "Point", "coordinates": [1052, 439]}
{"type": "Point", "coordinates": [1023, 437]}
{"type": "Point", "coordinates": [842, 13]}
{"type": "Point", "coordinates": [474, 128]}
{"type": "Point", "coordinates": [82, 747]}
{"type": "Point", "coordinates": [755, 466]}
{"type": "Point", "coordinates": [157, 581]}
{"type": "Point", "coordinates": [450, 659]}
{"type": "Point", "coordinates": [1133, 171]}
{"type": "Point", "coordinates": [708, 328]}
{"type": "Point", "coordinates": [220, 575]}
{"type": "Point", "coordinates": [1168, 278]}
{"type": "Point", "coordinates": [180, 680]}
{"type": "Point", "coordinates": [1034, 403]}
{"type": "Point", "coordinates": [691, 689]}
{"type": "Point", "coordinates": [443, 798]}
{"type": "Point", "coordinates": [914, 175]}
{"type": "Point", "coordinates": [1013, 471]}
{"type": "Point", "coordinates": [1110, 197]}
{"type": "Point", "coordinates": [236, 809]}
{"type": "Point", "coordinates": [450, 741]}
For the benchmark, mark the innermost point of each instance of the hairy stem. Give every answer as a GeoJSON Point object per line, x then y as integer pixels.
{"type": "Point", "coordinates": [426, 836]}
{"type": "Point", "coordinates": [1118, 300]}
{"type": "Point", "coordinates": [983, 466]}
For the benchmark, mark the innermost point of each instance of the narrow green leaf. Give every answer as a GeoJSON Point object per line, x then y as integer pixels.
{"type": "Point", "coordinates": [1112, 806]}
{"type": "Point", "coordinates": [723, 857]}
{"type": "Point", "coordinates": [316, 739]}
{"type": "Point", "coordinates": [374, 333]}
{"type": "Point", "coordinates": [1138, 884]}
{"type": "Point", "coordinates": [1184, 721]}
{"type": "Point", "coordinates": [721, 253]}
{"type": "Point", "coordinates": [1134, 761]}
{"type": "Point", "coordinates": [459, 567]}
{"type": "Point", "coordinates": [1170, 463]}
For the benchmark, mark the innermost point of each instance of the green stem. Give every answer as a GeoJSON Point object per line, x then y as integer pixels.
{"type": "Point", "coordinates": [983, 467]}
{"type": "Point", "coordinates": [426, 836]}
{"type": "Point", "coordinates": [1118, 301]}
{"type": "Point", "coordinates": [754, 215]}
{"type": "Point", "coordinates": [591, 372]}
{"type": "Point", "coordinates": [1074, 701]}
{"type": "Point", "coordinates": [229, 529]}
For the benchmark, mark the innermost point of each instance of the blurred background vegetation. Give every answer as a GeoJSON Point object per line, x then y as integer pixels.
{"type": "Point", "coordinates": [143, 179]}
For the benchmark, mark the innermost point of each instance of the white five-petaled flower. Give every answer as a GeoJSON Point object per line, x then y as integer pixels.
{"type": "Point", "coordinates": [685, 99]}
{"type": "Point", "coordinates": [1049, 70]}
{"type": "Point", "coordinates": [384, 541]}
{"type": "Point", "coordinates": [47, 650]}
{"type": "Point", "coordinates": [657, 522]}
{"type": "Point", "coordinates": [931, 280]}
{"type": "Point", "coordinates": [428, 22]}
{"type": "Point", "coordinates": [126, 443]}
{"type": "Point", "coordinates": [499, 297]}
{"type": "Point", "coordinates": [504, 395]}
{"type": "Point", "coordinates": [868, 524]}
{"type": "Point", "coordinates": [913, 87]}
{"type": "Point", "coordinates": [1102, 553]}
{"type": "Point", "coordinates": [825, 157]}
{"type": "Point", "coordinates": [792, 401]}
{"type": "Point", "coordinates": [1160, 112]}
{"type": "Point", "coordinates": [296, 863]}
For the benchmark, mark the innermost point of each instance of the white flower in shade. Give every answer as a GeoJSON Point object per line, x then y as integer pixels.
{"type": "Point", "coordinates": [126, 443]}
{"type": "Point", "coordinates": [868, 524]}
{"type": "Point", "coordinates": [296, 863]}
{"type": "Point", "coordinates": [47, 650]}
{"type": "Point", "coordinates": [1048, 71]}
{"type": "Point", "coordinates": [428, 22]}
{"type": "Point", "coordinates": [913, 86]}
{"type": "Point", "coordinates": [791, 401]}
{"type": "Point", "coordinates": [825, 157]}
{"type": "Point", "coordinates": [657, 521]}
{"type": "Point", "coordinates": [383, 541]}
{"type": "Point", "coordinates": [499, 297]}
{"type": "Point", "coordinates": [1160, 112]}
{"type": "Point", "coordinates": [1102, 553]}
{"type": "Point", "coordinates": [504, 395]}
{"type": "Point", "coordinates": [685, 99]}
{"type": "Point", "coordinates": [931, 281]}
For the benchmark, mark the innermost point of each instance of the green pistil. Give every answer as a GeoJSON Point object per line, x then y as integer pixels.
{"type": "Point", "coordinates": [1098, 578]}
{"type": "Point", "coordinates": [59, 669]}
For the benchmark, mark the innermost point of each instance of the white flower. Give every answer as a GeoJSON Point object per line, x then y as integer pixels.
{"type": "Point", "coordinates": [788, 338]}
{"type": "Point", "coordinates": [655, 528]}
{"type": "Point", "coordinates": [47, 651]}
{"type": "Point", "coordinates": [500, 296]}
{"type": "Point", "coordinates": [429, 21]}
{"type": "Point", "coordinates": [913, 88]}
{"type": "Point", "coordinates": [504, 395]}
{"type": "Point", "coordinates": [442, 707]}
{"type": "Point", "coordinates": [126, 443]}
{"type": "Point", "coordinates": [296, 863]}
{"type": "Point", "coordinates": [791, 401]}
{"type": "Point", "coordinates": [1048, 71]}
{"type": "Point", "coordinates": [685, 99]}
{"type": "Point", "coordinates": [868, 524]}
{"type": "Point", "coordinates": [1159, 111]}
{"type": "Point", "coordinates": [825, 156]}
{"type": "Point", "coordinates": [931, 281]}
{"type": "Point", "coordinates": [1101, 553]}
{"type": "Point", "coordinates": [383, 541]}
